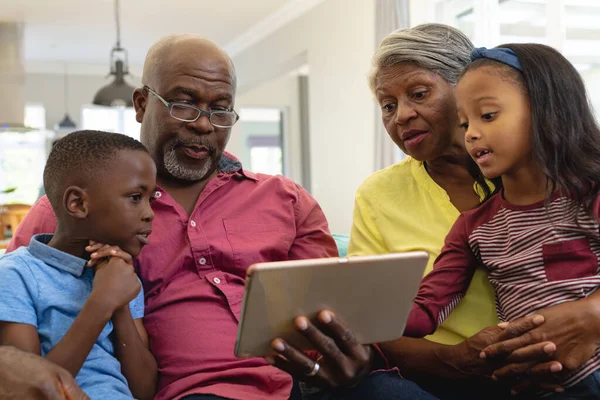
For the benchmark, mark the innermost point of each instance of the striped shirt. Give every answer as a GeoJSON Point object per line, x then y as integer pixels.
{"type": "Point", "coordinates": [537, 256]}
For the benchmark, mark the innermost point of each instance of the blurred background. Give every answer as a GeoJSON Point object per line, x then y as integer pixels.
{"type": "Point", "coordinates": [306, 110]}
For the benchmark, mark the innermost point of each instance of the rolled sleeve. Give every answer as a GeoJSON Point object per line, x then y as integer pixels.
{"type": "Point", "coordinates": [136, 306]}
{"type": "Point", "coordinates": [18, 291]}
{"type": "Point", "coordinates": [313, 238]}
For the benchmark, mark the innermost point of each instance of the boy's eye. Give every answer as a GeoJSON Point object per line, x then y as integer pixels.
{"type": "Point", "coordinates": [136, 197]}
{"type": "Point", "coordinates": [152, 198]}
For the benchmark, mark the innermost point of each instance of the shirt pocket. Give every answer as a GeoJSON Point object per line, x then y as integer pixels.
{"type": "Point", "coordinates": [254, 240]}
{"type": "Point", "coordinates": [571, 259]}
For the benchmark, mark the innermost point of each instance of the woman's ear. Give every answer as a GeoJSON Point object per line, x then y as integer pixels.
{"type": "Point", "coordinates": [75, 202]}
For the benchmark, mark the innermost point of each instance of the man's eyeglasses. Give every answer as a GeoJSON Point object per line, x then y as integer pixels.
{"type": "Point", "coordinates": [189, 113]}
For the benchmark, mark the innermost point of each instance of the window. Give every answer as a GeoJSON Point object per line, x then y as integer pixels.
{"type": "Point", "coordinates": [263, 140]}
{"type": "Point", "coordinates": [110, 119]}
{"type": "Point", "coordinates": [35, 115]}
{"type": "Point", "coordinates": [570, 26]}
{"type": "Point", "coordinates": [22, 161]}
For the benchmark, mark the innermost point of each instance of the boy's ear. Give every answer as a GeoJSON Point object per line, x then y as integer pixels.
{"type": "Point", "coordinates": [75, 202]}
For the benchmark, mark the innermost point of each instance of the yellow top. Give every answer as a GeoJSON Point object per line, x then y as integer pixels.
{"type": "Point", "coordinates": [401, 209]}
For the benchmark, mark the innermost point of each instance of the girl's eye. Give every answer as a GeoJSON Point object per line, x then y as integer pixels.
{"type": "Point", "coordinates": [488, 116]}
{"type": "Point", "coordinates": [464, 125]}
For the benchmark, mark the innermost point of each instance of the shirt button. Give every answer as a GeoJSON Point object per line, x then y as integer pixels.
{"type": "Point", "coordinates": [157, 194]}
{"type": "Point", "coordinates": [193, 224]}
{"type": "Point", "coordinates": [216, 280]}
{"type": "Point", "coordinates": [202, 261]}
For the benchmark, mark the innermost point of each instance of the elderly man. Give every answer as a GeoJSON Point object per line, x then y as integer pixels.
{"type": "Point", "coordinates": [212, 221]}
{"type": "Point", "coordinates": [27, 376]}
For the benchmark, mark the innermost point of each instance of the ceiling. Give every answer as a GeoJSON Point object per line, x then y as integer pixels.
{"type": "Point", "coordinates": [83, 31]}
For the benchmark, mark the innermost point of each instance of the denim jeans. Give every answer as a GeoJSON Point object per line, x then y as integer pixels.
{"type": "Point", "coordinates": [467, 390]}
{"type": "Point", "coordinates": [589, 388]}
{"type": "Point", "coordinates": [377, 386]}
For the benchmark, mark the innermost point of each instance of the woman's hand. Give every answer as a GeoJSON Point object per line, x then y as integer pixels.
{"type": "Point", "coordinates": [343, 362]}
{"type": "Point", "coordinates": [466, 357]}
{"type": "Point", "coordinates": [573, 328]}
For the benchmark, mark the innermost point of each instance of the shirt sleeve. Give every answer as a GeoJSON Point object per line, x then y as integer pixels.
{"type": "Point", "coordinates": [365, 238]}
{"type": "Point", "coordinates": [18, 292]}
{"type": "Point", "coordinates": [444, 287]}
{"type": "Point", "coordinates": [40, 219]}
{"type": "Point", "coordinates": [313, 238]}
{"type": "Point", "coordinates": [136, 306]}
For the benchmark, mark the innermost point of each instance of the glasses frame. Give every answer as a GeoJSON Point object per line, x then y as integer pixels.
{"type": "Point", "coordinates": [201, 112]}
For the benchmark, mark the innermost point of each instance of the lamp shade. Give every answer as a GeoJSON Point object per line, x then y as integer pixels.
{"type": "Point", "coordinates": [66, 123]}
{"type": "Point", "coordinates": [118, 93]}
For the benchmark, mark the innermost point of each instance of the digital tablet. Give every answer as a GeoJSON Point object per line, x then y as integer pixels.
{"type": "Point", "coordinates": [373, 295]}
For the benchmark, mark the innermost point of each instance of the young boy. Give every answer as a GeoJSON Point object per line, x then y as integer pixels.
{"type": "Point", "coordinates": [87, 320]}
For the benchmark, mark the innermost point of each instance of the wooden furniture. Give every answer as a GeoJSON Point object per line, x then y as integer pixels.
{"type": "Point", "coordinates": [11, 216]}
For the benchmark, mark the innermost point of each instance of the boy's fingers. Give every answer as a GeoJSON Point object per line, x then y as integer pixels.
{"type": "Point", "coordinates": [93, 247]}
{"type": "Point", "coordinates": [109, 251]}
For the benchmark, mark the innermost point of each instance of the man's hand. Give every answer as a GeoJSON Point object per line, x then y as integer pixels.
{"type": "Point", "coordinates": [343, 361]}
{"type": "Point", "coordinates": [27, 376]}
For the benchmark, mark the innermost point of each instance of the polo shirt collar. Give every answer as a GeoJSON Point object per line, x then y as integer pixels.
{"type": "Point", "coordinates": [38, 247]}
{"type": "Point", "coordinates": [230, 164]}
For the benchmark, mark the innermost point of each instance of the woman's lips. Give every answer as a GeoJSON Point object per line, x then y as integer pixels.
{"type": "Point", "coordinates": [413, 138]}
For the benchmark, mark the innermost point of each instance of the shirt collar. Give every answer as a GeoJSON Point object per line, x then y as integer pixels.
{"type": "Point", "coordinates": [38, 247]}
{"type": "Point", "coordinates": [230, 164]}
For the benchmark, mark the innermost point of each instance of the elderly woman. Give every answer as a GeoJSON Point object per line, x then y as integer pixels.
{"type": "Point", "coordinates": [412, 205]}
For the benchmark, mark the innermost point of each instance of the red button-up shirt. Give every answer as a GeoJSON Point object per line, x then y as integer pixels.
{"type": "Point", "coordinates": [193, 272]}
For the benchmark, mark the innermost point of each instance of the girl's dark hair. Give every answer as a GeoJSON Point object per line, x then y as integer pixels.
{"type": "Point", "coordinates": [566, 136]}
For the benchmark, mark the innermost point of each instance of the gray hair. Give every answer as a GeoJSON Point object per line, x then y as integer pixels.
{"type": "Point", "coordinates": [439, 48]}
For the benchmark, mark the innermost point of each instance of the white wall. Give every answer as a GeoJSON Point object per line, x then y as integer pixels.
{"type": "Point", "coordinates": [338, 38]}
{"type": "Point", "coordinates": [281, 93]}
{"type": "Point", "coordinates": [592, 82]}
{"type": "Point", "coordinates": [421, 11]}
{"type": "Point", "coordinates": [48, 89]}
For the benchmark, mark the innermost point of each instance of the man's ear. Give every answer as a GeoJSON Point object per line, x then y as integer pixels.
{"type": "Point", "coordinates": [75, 202]}
{"type": "Point", "coordinates": [139, 103]}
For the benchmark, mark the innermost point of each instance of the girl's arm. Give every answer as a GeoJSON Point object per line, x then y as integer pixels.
{"type": "Point", "coordinates": [444, 287]}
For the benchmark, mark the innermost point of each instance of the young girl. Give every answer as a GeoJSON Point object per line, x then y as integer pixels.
{"type": "Point", "coordinates": [527, 121]}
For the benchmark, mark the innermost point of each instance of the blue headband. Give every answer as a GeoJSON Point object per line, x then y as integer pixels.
{"type": "Point", "coordinates": [500, 54]}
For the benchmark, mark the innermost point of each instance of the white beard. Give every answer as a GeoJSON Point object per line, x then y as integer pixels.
{"type": "Point", "coordinates": [179, 171]}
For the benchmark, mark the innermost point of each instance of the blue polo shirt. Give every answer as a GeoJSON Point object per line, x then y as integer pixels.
{"type": "Point", "coordinates": [46, 288]}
